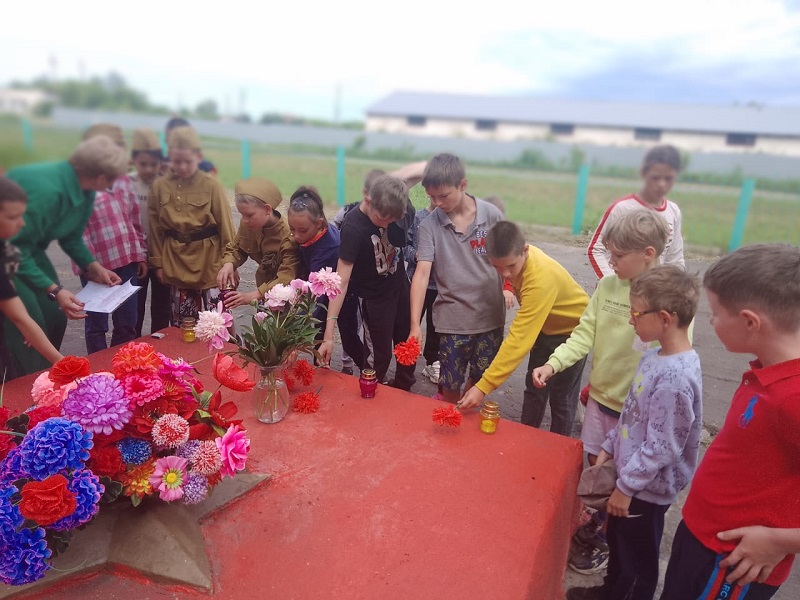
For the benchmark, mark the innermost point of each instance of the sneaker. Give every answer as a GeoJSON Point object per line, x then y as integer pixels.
{"type": "Point", "coordinates": [585, 593]}
{"type": "Point", "coordinates": [431, 371]}
{"type": "Point", "coordinates": [587, 535]}
{"type": "Point", "coordinates": [588, 561]}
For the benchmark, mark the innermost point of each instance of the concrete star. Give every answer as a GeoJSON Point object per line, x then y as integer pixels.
{"type": "Point", "coordinates": [159, 540]}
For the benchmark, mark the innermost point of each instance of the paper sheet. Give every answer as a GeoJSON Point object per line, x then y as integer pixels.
{"type": "Point", "coordinates": [106, 298]}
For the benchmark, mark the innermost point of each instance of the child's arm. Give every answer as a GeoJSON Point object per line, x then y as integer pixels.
{"type": "Point", "coordinates": [597, 250]}
{"type": "Point", "coordinates": [344, 269]}
{"type": "Point", "coordinates": [14, 310]}
{"type": "Point", "coordinates": [410, 173]}
{"type": "Point", "coordinates": [674, 254]}
{"type": "Point", "coordinates": [419, 284]}
{"type": "Point", "coordinates": [758, 551]}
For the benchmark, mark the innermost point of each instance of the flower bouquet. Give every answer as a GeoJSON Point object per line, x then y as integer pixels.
{"type": "Point", "coordinates": [144, 429]}
{"type": "Point", "coordinates": [282, 326]}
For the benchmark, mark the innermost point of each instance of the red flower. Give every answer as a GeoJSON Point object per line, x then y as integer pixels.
{"type": "Point", "coordinates": [42, 413]}
{"type": "Point", "coordinates": [231, 375]}
{"type": "Point", "coordinates": [291, 384]}
{"type": "Point", "coordinates": [135, 357]}
{"type": "Point", "coordinates": [307, 402]}
{"type": "Point", "coordinates": [105, 460]}
{"type": "Point", "coordinates": [70, 368]}
{"type": "Point", "coordinates": [447, 416]}
{"type": "Point", "coordinates": [407, 352]}
{"type": "Point", "coordinates": [222, 413]}
{"type": "Point", "coordinates": [303, 371]}
{"type": "Point", "coordinates": [7, 442]}
{"type": "Point", "coordinates": [45, 502]}
{"type": "Point", "coordinates": [201, 431]}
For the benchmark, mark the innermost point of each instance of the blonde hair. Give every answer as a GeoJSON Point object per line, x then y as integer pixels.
{"type": "Point", "coordinates": [637, 230]}
{"type": "Point", "coordinates": [760, 277]}
{"type": "Point", "coordinates": [99, 155]}
{"type": "Point", "coordinates": [669, 288]}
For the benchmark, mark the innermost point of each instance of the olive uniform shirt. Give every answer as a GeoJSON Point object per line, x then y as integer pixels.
{"type": "Point", "coordinates": [186, 207]}
{"type": "Point", "coordinates": [271, 247]}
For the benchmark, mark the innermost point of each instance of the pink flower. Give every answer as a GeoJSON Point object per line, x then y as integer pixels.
{"type": "Point", "coordinates": [233, 447]}
{"type": "Point", "coordinates": [279, 295]}
{"type": "Point", "coordinates": [325, 281]}
{"type": "Point", "coordinates": [168, 477]}
{"type": "Point", "coordinates": [260, 316]}
{"type": "Point", "coordinates": [299, 285]}
{"type": "Point", "coordinates": [212, 327]}
{"type": "Point", "coordinates": [141, 389]}
{"type": "Point", "coordinates": [173, 367]}
{"type": "Point", "coordinates": [45, 393]}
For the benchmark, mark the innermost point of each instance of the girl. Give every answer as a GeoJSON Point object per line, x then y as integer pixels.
{"type": "Point", "coordinates": [660, 168]}
{"type": "Point", "coordinates": [319, 248]}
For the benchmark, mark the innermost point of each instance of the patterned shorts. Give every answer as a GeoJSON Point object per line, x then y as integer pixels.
{"type": "Point", "coordinates": [459, 352]}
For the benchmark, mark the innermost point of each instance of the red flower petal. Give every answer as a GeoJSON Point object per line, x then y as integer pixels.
{"type": "Point", "coordinates": [231, 375]}
{"type": "Point", "coordinates": [69, 368]}
{"type": "Point", "coordinates": [447, 416]}
{"type": "Point", "coordinates": [407, 352]}
{"type": "Point", "coordinates": [307, 402]}
{"type": "Point", "coordinates": [303, 371]}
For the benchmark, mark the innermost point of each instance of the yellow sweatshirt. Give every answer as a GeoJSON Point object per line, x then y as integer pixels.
{"type": "Point", "coordinates": [550, 302]}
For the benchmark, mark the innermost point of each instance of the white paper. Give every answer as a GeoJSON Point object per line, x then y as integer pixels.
{"type": "Point", "coordinates": [106, 298]}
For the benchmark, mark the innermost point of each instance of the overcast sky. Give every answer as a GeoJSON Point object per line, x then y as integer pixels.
{"type": "Point", "coordinates": [295, 57]}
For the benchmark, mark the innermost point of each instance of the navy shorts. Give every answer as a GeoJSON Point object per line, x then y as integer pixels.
{"type": "Point", "coordinates": [457, 353]}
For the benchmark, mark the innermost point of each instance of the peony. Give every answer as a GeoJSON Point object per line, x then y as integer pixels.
{"type": "Point", "coordinates": [212, 327]}
{"type": "Point", "coordinates": [233, 447]}
{"type": "Point", "coordinates": [168, 477]}
{"type": "Point", "coordinates": [325, 281]}
{"type": "Point", "coordinates": [98, 403]}
{"type": "Point", "coordinates": [300, 285]}
{"type": "Point", "coordinates": [280, 294]}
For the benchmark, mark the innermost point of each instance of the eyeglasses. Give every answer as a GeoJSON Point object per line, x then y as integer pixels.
{"type": "Point", "coordinates": [635, 314]}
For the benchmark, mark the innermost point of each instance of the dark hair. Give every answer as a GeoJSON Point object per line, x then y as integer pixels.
{"type": "Point", "coordinates": [176, 122]}
{"type": "Point", "coordinates": [157, 154]}
{"type": "Point", "coordinates": [11, 191]}
{"type": "Point", "coordinates": [662, 155]}
{"type": "Point", "coordinates": [669, 288]}
{"type": "Point", "coordinates": [505, 239]}
{"type": "Point", "coordinates": [443, 169]}
{"type": "Point", "coordinates": [307, 199]}
{"type": "Point", "coordinates": [389, 197]}
{"type": "Point", "coordinates": [759, 277]}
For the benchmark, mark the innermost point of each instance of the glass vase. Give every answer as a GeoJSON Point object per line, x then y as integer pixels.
{"type": "Point", "coordinates": [270, 395]}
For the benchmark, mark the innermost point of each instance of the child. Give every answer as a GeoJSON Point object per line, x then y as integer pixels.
{"type": "Point", "coordinates": [318, 248]}
{"type": "Point", "coordinates": [660, 168]}
{"type": "Point", "coordinates": [148, 160]}
{"type": "Point", "coordinates": [635, 240]}
{"type": "Point", "coordinates": [204, 165]}
{"type": "Point", "coordinates": [656, 443]}
{"type": "Point", "coordinates": [13, 202]}
{"type": "Point", "coordinates": [469, 311]}
{"type": "Point", "coordinates": [263, 236]}
{"type": "Point", "coordinates": [370, 265]}
{"type": "Point", "coordinates": [741, 524]}
{"type": "Point", "coordinates": [190, 226]}
{"type": "Point", "coordinates": [115, 237]}
{"type": "Point", "coordinates": [551, 304]}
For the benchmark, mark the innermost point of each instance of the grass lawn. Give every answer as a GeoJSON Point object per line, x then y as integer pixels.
{"type": "Point", "coordinates": [531, 197]}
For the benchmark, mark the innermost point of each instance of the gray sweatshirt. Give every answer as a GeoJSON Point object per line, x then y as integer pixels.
{"type": "Point", "coordinates": [657, 439]}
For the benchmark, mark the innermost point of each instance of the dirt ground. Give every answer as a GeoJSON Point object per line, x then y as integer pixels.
{"type": "Point", "coordinates": [721, 370]}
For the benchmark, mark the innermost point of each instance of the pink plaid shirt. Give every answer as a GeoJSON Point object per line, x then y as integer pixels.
{"type": "Point", "coordinates": [114, 232]}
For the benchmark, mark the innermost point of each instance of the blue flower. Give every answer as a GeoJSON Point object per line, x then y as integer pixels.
{"type": "Point", "coordinates": [10, 467]}
{"type": "Point", "coordinates": [10, 518]}
{"type": "Point", "coordinates": [24, 557]}
{"type": "Point", "coordinates": [54, 446]}
{"type": "Point", "coordinates": [88, 490]}
{"type": "Point", "coordinates": [134, 451]}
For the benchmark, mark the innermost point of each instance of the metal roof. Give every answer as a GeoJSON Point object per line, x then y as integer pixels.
{"type": "Point", "coordinates": [760, 120]}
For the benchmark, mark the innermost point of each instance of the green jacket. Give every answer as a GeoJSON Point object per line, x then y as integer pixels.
{"type": "Point", "coordinates": [58, 209]}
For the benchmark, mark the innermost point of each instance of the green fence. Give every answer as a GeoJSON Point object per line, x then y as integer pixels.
{"type": "Point", "coordinates": [713, 219]}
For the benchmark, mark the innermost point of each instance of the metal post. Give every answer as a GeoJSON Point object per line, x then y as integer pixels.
{"type": "Point", "coordinates": [245, 159]}
{"type": "Point", "coordinates": [340, 156]}
{"type": "Point", "coordinates": [27, 135]}
{"type": "Point", "coordinates": [580, 199]}
{"type": "Point", "coordinates": [162, 137]}
{"type": "Point", "coordinates": [740, 222]}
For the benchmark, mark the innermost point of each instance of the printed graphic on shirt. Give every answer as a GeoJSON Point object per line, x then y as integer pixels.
{"type": "Point", "coordinates": [749, 413]}
{"type": "Point", "coordinates": [479, 243]}
{"type": "Point", "coordinates": [270, 263]}
{"type": "Point", "coordinates": [385, 254]}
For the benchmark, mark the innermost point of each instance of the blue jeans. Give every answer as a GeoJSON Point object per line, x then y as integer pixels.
{"type": "Point", "coordinates": [124, 318]}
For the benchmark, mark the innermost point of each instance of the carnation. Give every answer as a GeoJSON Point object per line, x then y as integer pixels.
{"type": "Point", "coordinates": [54, 446]}
{"type": "Point", "coordinates": [141, 389]}
{"type": "Point", "coordinates": [170, 431]}
{"type": "Point", "coordinates": [99, 404]}
{"type": "Point", "coordinates": [325, 282]}
{"type": "Point", "coordinates": [24, 557]}
{"type": "Point", "coordinates": [279, 295]}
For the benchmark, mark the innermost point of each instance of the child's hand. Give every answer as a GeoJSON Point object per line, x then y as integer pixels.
{"type": "Point", "coordinates": [325, 352]}
{"type": "Point", "coordinates": [602, 457]}
{"type": "Point", "coordinates": [416, 332]}
{"type": "Point", "coordinates": [226, 277]}
{"type": "Point", "coordinates": [755, 555]}
{"type": "Point", "coordinates": [234, 298]}
{"type": "Point", "coordinates": [510, 299]}
{"type": "Point", "coordinates": [472, 398]}
{"type": "Point", "coordinates": [618, 503]}
{"type": "Point", "coordinates": [540, 375]}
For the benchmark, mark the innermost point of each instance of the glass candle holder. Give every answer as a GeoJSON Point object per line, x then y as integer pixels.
{"type": "Point", "coordinates": [368, 382]}
{"type": "Point", "coordinates": [187, 329]}
{"type": "Point", "coordinates": [490, 417]}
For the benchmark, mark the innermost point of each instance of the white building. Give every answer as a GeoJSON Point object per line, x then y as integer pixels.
{"type": "Point", "coordinates": [20, 102]}
{"type": "Point", "coordinates": [694, 128]}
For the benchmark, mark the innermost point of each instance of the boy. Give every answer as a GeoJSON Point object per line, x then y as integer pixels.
{"type": "Point", "coordinates": [190, 225]}
{"type": "Point", "coordinates": [371, 265]}
{"type": "Point", "coordinates": [551, 304]}
{"type": "Point", "coordinates": [263, 236]}
{"type": "Point", "coordinates": [148, 160]}
{"type": "Point", "coordinates": [741, 524]}
{"type": "Point", "coordinates": [635, 240]}
{"type": "Point", "coordinates": [469, 311]}
{"type": "Point", "coordinates": [115, 237]}
{"type": "Point", "coordinates": [656, 442]}
{"type": "Point", "coordinates": [204, 165]}
{"type": "Point", "coordinates": [13, 202]}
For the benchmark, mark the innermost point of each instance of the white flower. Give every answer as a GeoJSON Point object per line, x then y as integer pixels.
{"type": "Point", "coordinates": [212, 327]}
{"type": "Point", "coordinates": [279, 295]}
